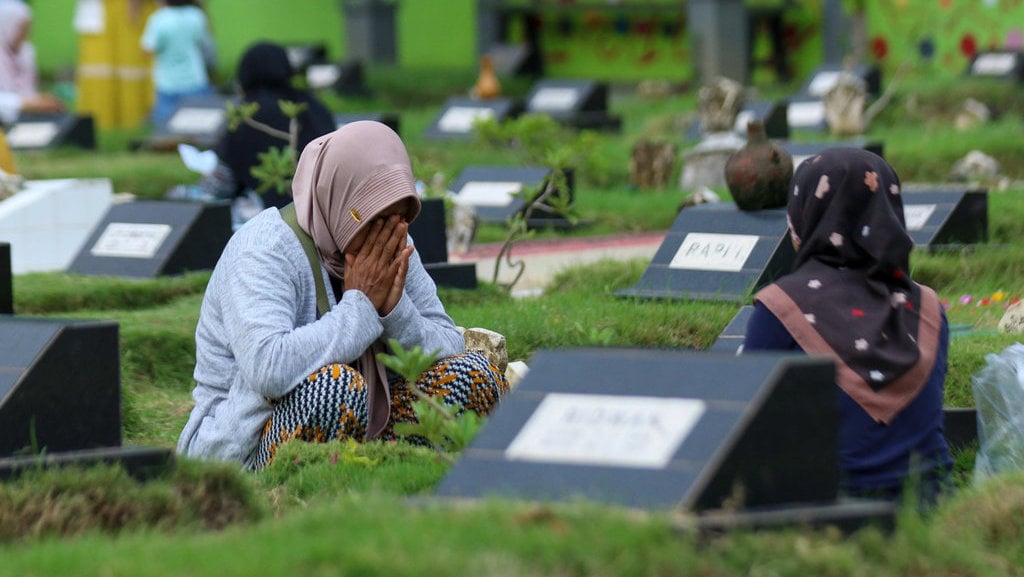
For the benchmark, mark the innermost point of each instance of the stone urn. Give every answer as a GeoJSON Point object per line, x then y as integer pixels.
{"type": "Point", "coordinates": [758, 174]}
{"type": "Point", "coordinates": [487, 86]}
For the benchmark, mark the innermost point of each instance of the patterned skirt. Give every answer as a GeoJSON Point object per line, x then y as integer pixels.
{"type": "Point", "coordinates": [332, 403]}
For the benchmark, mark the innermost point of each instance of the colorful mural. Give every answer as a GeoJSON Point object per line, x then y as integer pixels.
{"type": "Point", "coordinates": [942, 35]}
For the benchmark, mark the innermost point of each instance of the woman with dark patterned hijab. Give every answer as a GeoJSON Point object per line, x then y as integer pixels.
{"type": "Point", "coordinates": [850, 296]}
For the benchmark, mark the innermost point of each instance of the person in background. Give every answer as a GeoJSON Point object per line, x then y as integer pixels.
{"type": "Point", "coordinates": [265, 77]}
{"type": "Point", "coordinates": [273, 365]}
{"type": "Point", "coordinates": [19, 82]}
{"type": "Point", "coordinates": [178, 36]}
{"type": "Point", "coordinates": [113, 76]}
{"type": "Point", "coordinates": [850, 297]}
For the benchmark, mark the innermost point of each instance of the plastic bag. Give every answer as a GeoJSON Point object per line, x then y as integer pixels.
{"type": "Point", "coordinates": [999, 399]}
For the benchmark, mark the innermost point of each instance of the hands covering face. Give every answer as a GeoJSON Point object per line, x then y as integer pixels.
{"type": "Point", "coordinates": [376, 262]}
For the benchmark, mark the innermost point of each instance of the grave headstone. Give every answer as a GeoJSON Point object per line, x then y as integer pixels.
{"type": "Point", "coordinates": [577, 103]}
{"type": "Point", "coordinates": [430, 237]}
{"type": "Point", "coordinates": [59, 385]}
{"type": "Point", "coordinates": [200, 121]}
{"type": "Point", "coordinates": [142, 463]}
{"type": "Point", "coordinates": [801, 151]}
{"type": "Point", "coordinates": [699, 431]}
{"type": "Point", "coordinates": [302, 56]}
{"type": "Point", "coordinates": [6, 280]}
{"type": "Point", "coordinates": [938, 217]}
{"type": "Point", "coordinates": [731, 338]}
{"type": "Point", "coordinates": [34, 131]}
{"type": "Point", "coordinates": [806, 109]}
{"type": "Point", "coordinates": [48, 220]}
{"type": "Point", "coordinates": [345, 78]}
{"type": "Point", "coordinates": [455, 119]}
{"type": "Point", "coordinates": [1006, 64]}
{"type": "Point", "coordinates": [387, 119]}
{"type": "Point", "coordinates": [515, 60]}
{"type": "Point", "coordinates": [497, 193]}
{"type": "Point", "coordinates": [772, 113]}
{"type": "Point", "coordinates": [717, 252]}
{"type": "Point", "coordinates": [150, 238]}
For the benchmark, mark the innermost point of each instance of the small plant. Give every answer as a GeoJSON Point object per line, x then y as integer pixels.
{"type": "Point", "coordinates": [447, 432]}
{"type": "Point", "coordinates": [539, 140]}
{"type": "Point", "coordinates": [277, 165]}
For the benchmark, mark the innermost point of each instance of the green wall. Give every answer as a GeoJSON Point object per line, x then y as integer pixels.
{"type": "Point", "coordinates": [430, 33]}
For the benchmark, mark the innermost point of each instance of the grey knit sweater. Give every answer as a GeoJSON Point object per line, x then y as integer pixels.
{"type": "Point", "coordinates": [258, 335]}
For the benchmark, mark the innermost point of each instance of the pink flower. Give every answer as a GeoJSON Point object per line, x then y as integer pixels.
{"type": "Point", "coordinates": [966, 299]}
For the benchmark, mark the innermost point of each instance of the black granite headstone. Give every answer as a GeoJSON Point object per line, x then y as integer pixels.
{"type": "Point", "coordinates": [659, 429]}
{"type": "Point", "coordinates": [945, 217]}
{"type": "Point", "coordinates": [200, 121]}
{"type": "Point", "coordinates": [430, 236]}
{"type": "Point", "coordinates": [60, 386]}
{"type": "Point", "coordinates": [717, 252]}
{"type": "Point", "coordinates": [801, 151]}
{"type": "Point", "coordinates": [149, 238]}
{"type": "Point", "coordinates": [1006, 64]}
{"type": "Point", "coordinates": [6, 280]}
{"type": "Point", "coordinates": [731, 338]}
{"type": "Point", "coordinates": [498, 193]}
{"type": "Point", "coordinates": [806, 109]}
{"type": "Point", "coordinates": [772, 114]}
{"type": "Point", "coordinates": [387, 119]}
{"type": "Point", "coordinates": [806, 113]}
{"type": "Point", "coordinates": [141, 463]}
{"type": "Point", "coordinates": [35, 131]}
{"type": "Point", "coordinates": [515, 60]}
{"type": "Point", "coordinates": [302, 56]}
{"type": "Point", "coordinates": [576, 103]}
{"type": "Point", "coordinates": [455, 119]}
{"type": "Point", "coordinates": [346, 78]}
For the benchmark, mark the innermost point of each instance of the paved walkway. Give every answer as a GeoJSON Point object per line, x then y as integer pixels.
{"type": "Point", "coordinates": [546, 258]}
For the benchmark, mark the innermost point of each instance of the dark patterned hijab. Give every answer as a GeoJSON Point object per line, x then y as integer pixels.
{"type": "Point", "coordinates": [850, 294]}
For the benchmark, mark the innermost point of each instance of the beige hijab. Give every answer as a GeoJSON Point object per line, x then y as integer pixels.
{"type": "Point", "coordinates": [342, 181]}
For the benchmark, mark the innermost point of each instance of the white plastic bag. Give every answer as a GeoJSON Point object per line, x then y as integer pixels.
{"type": "Point", "coordinates": [999, 399]}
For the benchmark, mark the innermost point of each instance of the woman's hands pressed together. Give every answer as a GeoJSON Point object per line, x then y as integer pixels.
{"type": "Point", "coordinates": [377, 260]}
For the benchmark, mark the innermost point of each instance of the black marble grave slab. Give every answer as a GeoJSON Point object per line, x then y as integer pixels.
{"type": "Point", "coordinates": [717, 252]}
{"type": "Point", "coordinates": [1004, 64]}
{"type": "Point", "coordinates": [945, 217]}
{"type": "Point", "coordinates": [455, 119]}
{"type": "Point", "coordinates": [801, 151]}
{"type": "Point", "coordinates": [731, 338]}
{"type": "Point", "coordinates": [60, 385]}
{"type": "Point", "coordinates": [430, 236]}
{"type": "Point", "coordinates": [345, 78]}
{"type": "Point", "coordinates": [518, 59]}
{"type": "Point", "coordinates": [6, 280]}
{"type": "Point", "coordinates": [386, 118]}
{"type": "Point", "coordinates": [149, 238]}
{"type": "Point", "coordinates": [141, 463]}
{"type": "Point", "coordinates": [578, 103]}
{"type": "Point", "coordinates": [498, 193]}
{"type": "Point", "coordinates": [200, 121]}
{"type": "Point", "coordinates": [659, 429]}
{"type": "Point", "coordinates": [37, 131]}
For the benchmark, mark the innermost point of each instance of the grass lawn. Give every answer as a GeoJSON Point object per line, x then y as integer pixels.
{"type": "Point", "coordinates": [343, 508]}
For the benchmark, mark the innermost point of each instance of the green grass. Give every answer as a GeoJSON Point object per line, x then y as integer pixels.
{"type": "Point", "coordinates": [366, 509]}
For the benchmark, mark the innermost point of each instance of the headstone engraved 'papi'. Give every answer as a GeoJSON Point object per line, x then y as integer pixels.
{"type": "Point", "coordinates": [716, 252]}
{"type": "Point", "coordinates": [455, 119]}
{"type": "Point", "coordinates": [151, 238]}
{"type": "Point", "coordinates": [937, 217]}
{"type": "Point", "coordinates": [698, 430]}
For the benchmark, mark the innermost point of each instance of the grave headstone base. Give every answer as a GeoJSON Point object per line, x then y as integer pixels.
{"type": "Point", "coordinates": [139, 462]}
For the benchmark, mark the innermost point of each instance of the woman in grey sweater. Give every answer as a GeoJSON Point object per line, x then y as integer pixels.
{"type": "Point", "coordinates": [271, 368]}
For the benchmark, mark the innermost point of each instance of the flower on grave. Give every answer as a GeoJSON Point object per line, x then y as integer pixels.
{"type": "Point", "coordinates": [966, 299]}
{"type": "Point", "coordinates": [998, 296]}
{"type": "Point", "coordinates": [984, 302]}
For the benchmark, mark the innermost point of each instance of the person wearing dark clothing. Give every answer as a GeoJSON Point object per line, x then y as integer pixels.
{"type": "Point", "coordinates": [265, 78]}
{"type": "Point", "coordinates": [850, 297]}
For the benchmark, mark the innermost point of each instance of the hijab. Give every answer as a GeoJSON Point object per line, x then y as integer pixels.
{"type": "Point", "coordinates": [343, 180]}
{"type": "Point", "coordinates": [850, 295]}
{"type": "Point", "coordinates": [17, 66]}
{"type": "Point", "coordinates": [265, 77]}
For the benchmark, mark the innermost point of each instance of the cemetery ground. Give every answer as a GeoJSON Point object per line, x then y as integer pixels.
{"type": "Point", "coordinates": [346, 508]}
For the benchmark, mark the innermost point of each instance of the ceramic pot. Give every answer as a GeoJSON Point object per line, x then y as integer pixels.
{"type": "Point", "coordinates": [758, 174]}
{"type": "Point", "coordinates": [487, 84]}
